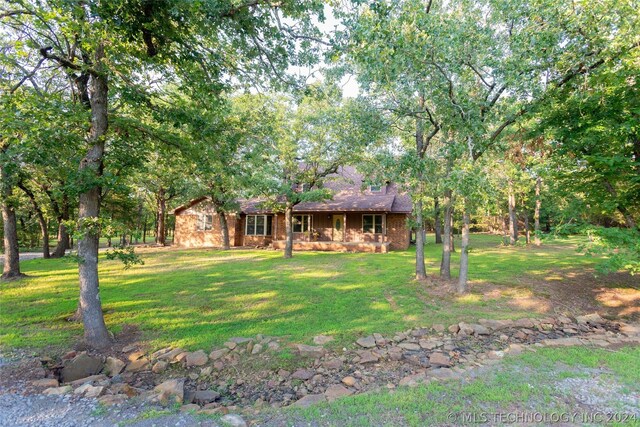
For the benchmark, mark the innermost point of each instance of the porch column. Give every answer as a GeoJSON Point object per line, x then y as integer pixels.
{"type": "Point", "coordinates": [344, 227]}
{"type": "Point", "coordinates": [384, 225]}
{"type": "Point", "coordinates": [274, 228]}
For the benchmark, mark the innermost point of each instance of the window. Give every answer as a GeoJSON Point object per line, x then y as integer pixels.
{"type": "Point", "coordinates": [259, 225]}
{"type": "Point", "coordinates": [205, 222]}
{"type": "Point", "coordinates": [301, 223]}
{"type": "Point", "coordinates": [375, 188]}
{"type": "Point", "coordinates": [372, 224]}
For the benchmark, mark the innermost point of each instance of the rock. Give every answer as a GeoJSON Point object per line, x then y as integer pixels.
{"type": "Point", "coordinates": [332, 364]}
{"type": "Point", "coordinates": [515, 349]}
{"type": "Point", "coordinates": [89, 379]}
{"type": "Point", "coordinates": [310, 399]}
{"type": "Point", "coordinates": [173, 388]}
{"type": "Point", "coordinates": [367, 342]}
{"type": "Point", "coordinates": [310, 351]}
{"type": "Point", "coordinates": [429, 344]}
{"type": "Point", "coordinates": [257, 349]}
{"type": "Point", "coordinates": [395, 353]}
{"type": "Point", "coordinates": [441, 373]}
{"type": "Point", "coordinates": [233, 420]}
{"type": "Point", "coordinates": [138, 365]}
{"type": "Point", "coordinates": [57, 391]}
{"type": "Point", "coordinates": [129, 348]}
{"type": "Point", "coordinates": [349, 381]}
{"type": "Point", "coordinates": [413, 380]}
{"type": "Point", "coordinates": [302, 374]}
{"type": "Point", "coordinates": [205, 372]}
{"type": "Point", "coordinates": [493, 324]}
{"type": "Point", "coordinates": [113, 366]}
{"type": "Point", "coordinates": [45, 382]}
{"type": "Point", "coordinates": [230, 345]}
{"type": "Point", "coordinates": [189, 407]}
{"type": "Point", "coordinates": [205, 396]}
{"type": "Point", "coordinates": [322, 339]}
{"type": "Point", "coordinates": [112, 399]}
{"type": "Point", "coordinates": [123, 388]}
{"type": "Point", "coordinates": [240, 340]}
{"type": "Point", "coordinates": [80, 366]}
{"type": "Point", "coordinates": [273, 345]}
{"type": "Point", "coordinates": [196, 358]}
{"type": "Point", "coordinates": [524, 323]}
{"type": "Point", "coordinates": [161, 352]}
{"type": "Point", "coordinates": [171, 355]}
{"type": "Point", "coordinates": [630, 330]}
{"type": "Point", "coordinates": [87, 390]}
{"type": "Point", "coordinates": [367, 356]}
{"type": "Point", "coordinates": [409, 346]}
{"type": "Point", "coordinates": [593, 318]}
{"type": "Point", "coordinates": [439, 359]}
{"type": "Point", "coordinates": [135, 356]}
{"type": "Point", "coordinates": [419, 333]}
{"type": "Point", "coordinates": [454, 329]}
{"type": "Point", "coordinates": [159, 367]}
{"type": "Point", "coordinates": [439, 328]}
{"type": "Point", "coordinates": [218, 354]}
{"type": "Point", "coordinates": [493, 354]}
{"type": "Point", "coordinates": [336, 391]}
{"type": "Point", "coordinates": [562, 342]}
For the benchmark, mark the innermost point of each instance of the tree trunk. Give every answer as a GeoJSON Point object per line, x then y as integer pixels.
{"type": "Point", "coordinates": [44, 226]}
{"type": "Point", "coordinates": [224, 228]}
{"type": "Point", "coordinates": [11, 269]}
{"type": "Point", "coordinates": [421, 272]}
{"type": "Point", "coordinates": [452, 246]}
{"type": "Point", "coordinates": [437, 220]}
{"type": "Point", "coordinates": [144, 230]}
{"type": "Point", "coordinates": [464, 251]}
{"type": "Point", "coordinates": [288, 227]}
{"type": "Point", "coordinates": [513, 219]}
{"type": "Point", "coordinates": [95, 330]}
{"type": "Point", "coordinates": [161, 207]}
{"type": "Point", "coordinates": [536, 214]}
{"type": "Point", "coordinates": [445, 264]}
{"type": "Point", "coordinates": [526, 228]}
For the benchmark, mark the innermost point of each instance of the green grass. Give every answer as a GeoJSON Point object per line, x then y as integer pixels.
{"type": "Point", "coordinates": [525, 383]}
{"type": "Point", "coordinates": [200, 298]}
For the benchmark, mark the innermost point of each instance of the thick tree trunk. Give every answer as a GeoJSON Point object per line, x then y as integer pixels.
{"type": "Point", "coordinates": [464, 251]}
{"type": "Point", "coordinates": [536, 214]}
{"type": "Point", "coordinates": [161, 207]}
{"type": "Point", "coordinates": [95, 330]}
{"type": "Point", "coordinates": [513, 219]}
{"type": "Point", "coordinates": [224, 228]}
{"type": "Point", "coordinates": [445, 264]}
{"type": "Point", "coordinates": [421, 271]}
{"type": "Point", "coordinates": [288, 227]}
{"type": "Point", "coordinates": [526, 228]}
{"type": "Point", "coordinates": [11, 269]}
{"type": "Point", "coordinates": [437, 220]}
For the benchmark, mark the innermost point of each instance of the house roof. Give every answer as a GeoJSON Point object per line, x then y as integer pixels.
{"type": "Point", "coordinates": [349, 195]}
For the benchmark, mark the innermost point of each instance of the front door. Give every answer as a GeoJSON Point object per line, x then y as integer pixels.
{"type": "Point", "coordinates": [338, 228]}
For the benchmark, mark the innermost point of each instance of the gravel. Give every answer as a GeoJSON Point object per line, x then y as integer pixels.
{"type": "Point", "coordinates": [70, 411]}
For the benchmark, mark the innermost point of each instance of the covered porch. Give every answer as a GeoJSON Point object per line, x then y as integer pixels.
{"type": "Point", "coordinates": [300, 245]}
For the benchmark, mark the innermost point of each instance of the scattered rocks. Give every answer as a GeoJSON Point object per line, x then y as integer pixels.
{"type": "Point", "coordinates": [439, 359]}
{"type": "Point", "coordinates": [367, 356]}
{"type": "Point", "coordinates": [336, 391]}
{"type": "Point", "coordinates": [409, 346]}
{"type": "Point", "coordinates": [205, 396]}
{"type": "Point", "coordinates": [45, 382]}
{"type": "Point", "coordinates": [593, 318]}
{"type": "Point", "coordinates": [173, 388]}
{"type": "Point", "coordinates": [138, 365]}
{"type": "Point", "coordinates": [196, 358]}
{"type": "Point", "coordinates": [80, 366]}
{"type": "Point", "coordinates": [333, 364]}
{"type": "Point", "coordinates": [310, 351]}
{"type": "Point", "coordinates": [159, 367]}
{"type": "Point", "coordinates": [322, 339]}
{"type": "Point", "coordinates": [367, 342]}
{"type": "Point", "coordinates": [233, 420]}
{"type": "Point", "coordinates": [310, 399]}
{"type": "Point", "coordinates": [58, 391]}
{"type": "Point", "coordinates": [113, 366]}
{"type": "Point", "coordinates": [87, 390]}
{"type": "Point", "coordinates": [257, 349]}
{"type": "Point", "coordinates": [302, 374]}
{"type": "Point", "coordinates": [218, 354]}
{"type": "Point", "coordinates": [349, 381]}
{"type": "Point", "coordinates": [454, 329]}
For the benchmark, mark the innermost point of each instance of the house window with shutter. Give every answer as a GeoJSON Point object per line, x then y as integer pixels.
{"type": "Point", "coordinates": [205, 222]}
{"type": "Point", "coordinates": [372, 224]}
{"type": "Point", "coordinates": [259, 225]}
{"type": "Point", "coordinates": [301, 223]}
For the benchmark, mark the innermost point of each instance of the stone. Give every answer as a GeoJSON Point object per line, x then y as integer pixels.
{"type": "Point", "coordinates": [233, 420]}
{"type": "Point", "coordinates": [230, 345]}
{"type": "Point", "coordinates": [112, 399]}
{"type": "Point", "coordinates": [58, 391]}
{"type": "Point", "coordinates": [196, 358]}
{"type": "Point", "coordinates": [138, 365]}
{"type": "Point", "coordinates": [189, 407]}
{"type": "Point", "coordinates": [520, 335]}
{"type": "Point", "coordinates": [273, 345]}
{"type": "Point", "coordinates": [81, 366]}
{"type": "Point", "coordinates": [205, 372]}
{"type": "Point", "coordinates": [479, 329]}
{"type": "Point", "coordinates": [465, 329]}
{"type": "Point", "coordinates": [135, 356]}
{"type": "Point", "coordinates": [332, 363]}
{"type": "Point", "coordinates": [349, 381]}
{"type": "Point", "coordinates": [322, 339]}
{"type": "Point", "coordinates": [524, 323]}
{"type": "Point", "coordinates": [630, 330]}
{"type": "Point", "coordinates": [171, 355]}
{"type": "Point", "coordinates": [429, 344]}
{"type": "Point", "coordinates": [368, 356]}
{"type": "Point", "coordinates": [593, 318]}
{"type": "Point", "coordinates": [494, 354]}
{"type": "Point", "coordinates": [302, 374]}
{"type": "Point", "coordinates": [159, 367]}
{"type": "Point", "coordinates": [439, 328]}
{"type": "Point", "coordinates": [45, 382]}
{"type": "Point", "coordinates": [205, 396]}
{"type": "Point", "coordinates": [515, 349]}
{"type": "Point", "coordinates": [310, 399]}
{"type": "Point", "coordinates": [439, 359]}
{"type": "Point", "coordinates": [367, 342]}
{"type": "Point", "coordinates": [454, 329]}
{"type": "Point", "coordinates": [420, 332]}
{"type": "Point", "coordinates": [409, 346]}
{"type": "Point", "coordinates": [257, 349]}
{"type": "Point", "coordinates": [89, 379]}
{"type": "Point", "coordinates": [495, 324]}
{"type": "Point", "coordinates": [87, 390]}
{"type": "Point", "coordinates": [173, 388]}
{"type": "Point", "coordinates": [123, 388]}
{"type": "Point", "coordinates": [395, 353]}
{"type": "Point", "coordinates": [413, 380]}
{"type": "Point", "coordinates": [240, 340]}
{"type": "Point", "coordinates": [562, 342]}
{"type": "Point", "coordinates": [336, 391]}
{"type": "Point", "coordinates": [156, 354]}
{"type": "Point", "coordinates": [218, 354]}
{"type": "Point", "coordinates": [113, 366]}
{"type": "Point", "coordinates": [310, 351]}
{"type": "Point", "coordinates": [441, 373]}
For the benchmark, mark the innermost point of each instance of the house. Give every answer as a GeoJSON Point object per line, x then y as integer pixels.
{"type": "Point", "coordinates": [358, 218]}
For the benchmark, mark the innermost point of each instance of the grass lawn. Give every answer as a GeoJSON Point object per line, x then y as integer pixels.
{"type": "Point", "coordinates": [552, 381]}
{"type": "Point", "coordinates": [199, 298]}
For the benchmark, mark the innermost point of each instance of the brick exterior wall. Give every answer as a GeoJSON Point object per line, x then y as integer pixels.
{"type": "Point", "coordinates": [398, 231]}
{"type": "Point", "coordinates": [188, 236]}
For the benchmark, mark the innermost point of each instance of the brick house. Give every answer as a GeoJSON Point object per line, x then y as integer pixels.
{"type": "Point", "coordinates": [358, 218]}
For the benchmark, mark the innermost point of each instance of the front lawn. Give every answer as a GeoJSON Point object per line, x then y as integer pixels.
{"type": "Point", "coordinates": [199, 298]}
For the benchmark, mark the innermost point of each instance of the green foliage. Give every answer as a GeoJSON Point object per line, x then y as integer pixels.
{"type": "Point", "coordinates": [125, 254]}
{"type": "Point", "coordinates": [620, 247]}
